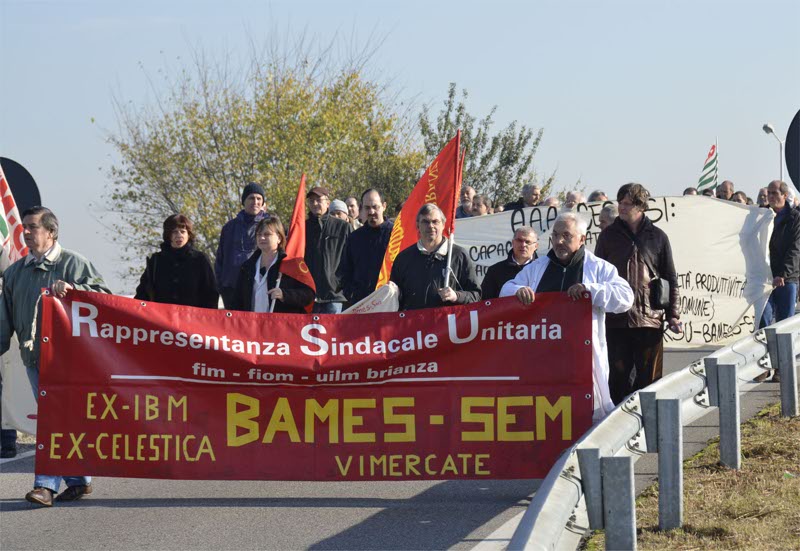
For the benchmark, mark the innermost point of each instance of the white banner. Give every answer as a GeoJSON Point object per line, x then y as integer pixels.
{"type": "Point", "coordinates": [719, 248]}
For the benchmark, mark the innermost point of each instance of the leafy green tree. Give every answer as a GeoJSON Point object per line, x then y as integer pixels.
{"type": "Point", "coordinates": [495, 164]}
{"type": "Point", "coordinates": [214, 130]}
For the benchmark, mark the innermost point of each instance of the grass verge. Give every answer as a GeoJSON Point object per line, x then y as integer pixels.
{"type": "Point", "coordinates": [757, 507]}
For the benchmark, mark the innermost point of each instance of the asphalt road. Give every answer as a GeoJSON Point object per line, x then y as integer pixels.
{"type": "Point", "coordinates": [172, 514]}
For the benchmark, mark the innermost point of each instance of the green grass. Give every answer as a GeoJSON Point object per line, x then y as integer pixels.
{"type": "Point", "coordinates": [757, 507]}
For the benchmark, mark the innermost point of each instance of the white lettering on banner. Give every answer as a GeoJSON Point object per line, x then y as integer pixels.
{"type": "Point", "coordinates": [719, 249]}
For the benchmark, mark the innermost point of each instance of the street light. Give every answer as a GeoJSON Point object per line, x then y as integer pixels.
{"type": "Point", "coordinates": [769, 129]}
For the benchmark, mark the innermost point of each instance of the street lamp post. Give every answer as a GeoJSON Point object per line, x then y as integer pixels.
{"type": "Point", "coordinates": [769, 129]}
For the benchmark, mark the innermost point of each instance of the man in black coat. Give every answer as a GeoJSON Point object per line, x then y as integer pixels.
{"type": "Point", "coordinates": [326, 237]}
{"type": "Point", "coordinates": [523, 251]}
{"type": "Point", "coordinates": [420, 270]}
{"type": "Point", "coordinates": [531, 195]}
{"type": "Point", "coordinates": [365, 249]}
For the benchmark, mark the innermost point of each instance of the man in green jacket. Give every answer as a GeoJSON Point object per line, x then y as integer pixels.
{"type": "Point", "coordinates": [47, 265]}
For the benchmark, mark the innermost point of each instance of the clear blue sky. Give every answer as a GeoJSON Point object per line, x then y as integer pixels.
{"type": "Point", "coordinates": [625, 90]}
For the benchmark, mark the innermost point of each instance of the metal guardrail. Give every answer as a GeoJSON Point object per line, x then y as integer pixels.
{"type": "Point", "coordinates": [558, 517]}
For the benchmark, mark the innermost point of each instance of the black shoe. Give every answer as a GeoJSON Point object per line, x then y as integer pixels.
{"type": "Point", "coordinates": [74, 492]}
{"type": "Point", "coordinates": [7, 453]}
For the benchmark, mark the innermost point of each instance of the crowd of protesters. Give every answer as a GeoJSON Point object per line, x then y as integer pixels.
{"type": "Point", "coordinates": [631, 274]}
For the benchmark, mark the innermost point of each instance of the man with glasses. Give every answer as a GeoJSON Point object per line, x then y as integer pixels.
{"type": "Point", "coordinates": [523, 251]}
{"type": "Point", "coordinates": [420, 271]}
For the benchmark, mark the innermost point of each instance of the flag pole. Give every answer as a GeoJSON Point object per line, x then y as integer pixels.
{"type": "Point", "coordinates": [716, 172]}
{"type": "Point", "coordinates": [277, 286]}
{"type": "Point", "coordinates": [456, 191]}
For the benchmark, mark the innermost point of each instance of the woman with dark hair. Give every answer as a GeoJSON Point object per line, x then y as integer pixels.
{"type": "Point", "coordinates": [642, 254]}
{"type": "Point", "coordinates": [257, 288]}
{"type": "Point", "coordinates": [179, 273]}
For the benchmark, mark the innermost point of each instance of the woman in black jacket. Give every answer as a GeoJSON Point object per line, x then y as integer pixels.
{"type": "Point", "coordinates": [257, 288]}
{"type": "Point", "coordinates": [179, 274]}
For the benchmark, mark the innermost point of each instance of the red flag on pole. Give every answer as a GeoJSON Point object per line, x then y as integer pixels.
{"type": "Point", "coordinates": [10, 223]}
{"type": "Point", "coordinates": [441, 184]}
{"type": "Point", "coordinates": [294, 264]}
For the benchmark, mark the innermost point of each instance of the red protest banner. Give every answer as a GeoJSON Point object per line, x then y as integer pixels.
{"type": "Point", "coordinates": [486, 390]}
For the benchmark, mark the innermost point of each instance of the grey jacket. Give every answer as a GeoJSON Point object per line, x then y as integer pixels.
{"type": "Point", "coordinates": [22, 287]}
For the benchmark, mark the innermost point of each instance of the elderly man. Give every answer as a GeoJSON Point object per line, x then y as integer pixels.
{"type": "Point", "coordinates": [570, 268]}
{"type": "Point", "coordinates": [523, 252]}
{"type": "Point", "coordinates": [47, 265]}
{"type": "Point", "coordinates": [465, 209]}
{"type": "Point", "coordinates": [420, 270]}
{"type": "Point", "coordinates": [326, 237]}
{"type": "Point", "coordinates": [784, 260]}
{"type": "Point", "coordinates": [597, 195]}
{"type": "Point", "coordinates": [365, 249]}
{"type": "Point", "coordinates": [725, 190]}
{"type": "Point", "coordinates": [573, 198]}
{"type": "Point", "coordinates": [531, 195]}
{"type": "Point", "coordinates": [237, 241]}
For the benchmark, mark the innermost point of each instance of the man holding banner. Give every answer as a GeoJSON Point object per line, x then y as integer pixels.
{"type": "Point", "coordinates": [570, 267]}
{"type": "Point", "coordinates": [49, 266]}
{"type": "Point", "coordinates": [421, 270]}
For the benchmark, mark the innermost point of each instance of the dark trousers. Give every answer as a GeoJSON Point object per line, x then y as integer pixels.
{"type": "Point", "coordinates": [637, 348]}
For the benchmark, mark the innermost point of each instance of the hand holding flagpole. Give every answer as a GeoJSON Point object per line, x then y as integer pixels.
{"type": "Point", "coordinates": [272, 294]}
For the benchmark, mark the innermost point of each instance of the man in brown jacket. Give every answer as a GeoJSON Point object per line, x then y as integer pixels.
{"type": "Point", "coordinates": [637, 248]}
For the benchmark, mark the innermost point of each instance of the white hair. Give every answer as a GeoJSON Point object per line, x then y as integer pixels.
{"type": "Point", "coordinates": [581, 224]}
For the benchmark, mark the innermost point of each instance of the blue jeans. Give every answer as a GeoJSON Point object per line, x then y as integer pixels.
{"type": "Point", "coordinates": [327, 308]}
{"type": "Point", "coordinates": [780, 305]}
{"type": "Point", "coordinates": [50, 481]}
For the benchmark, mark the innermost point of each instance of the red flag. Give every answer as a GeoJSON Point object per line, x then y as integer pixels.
{"type": "Point", "coordinates": [10, 223]}
{"type": "Point", "coordinates": [441, 185]}
{"type": "Point", "coordinates": [294, 264]}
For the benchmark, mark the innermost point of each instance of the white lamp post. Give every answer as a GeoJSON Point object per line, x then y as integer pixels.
{"type": "Point", "coordinates": [769, 129]}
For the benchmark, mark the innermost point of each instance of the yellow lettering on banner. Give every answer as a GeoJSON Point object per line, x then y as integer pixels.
{"type": "Point", "coordinates": [97, 448]}
{"type": "Point", "coordinates": [76, 443]}
{"type": "Point", "coordinates": [175, 404]}
{"type": "Point", "coordinates": [351, 421]}
{"type": "Point", "coordinates": [479, 457]}
{"type": "Point", "coordinates": [504, 419]}
{"type": "Point", "coordinates": [394, 465]}
{"type": "Point", "coordinates": [205, 448]}
{"type": "Point", "coordinates": [90, 405]}
{"type": "Point", "coordinates": [329, 412]}
{"type": "Point", "coordinates": [115, 447]}
{"type": "Point", "coordinates": [486, 419]}
{"type": "Point", "coordinates": [151, 407]}
{"type": "Point", "coordinates": [53, 446]}
{"type": "Point", "coordinates": [281, 420]}
{"type": "Point", "coordinates": [109, 407]}
{"type": "Point", "coordinates": [428, 460]}
{"type": "Point", "coordinates": [243, 419]}
{"type": "Point", "coordinates": [449, 465]}
{"type": "Point", "coordinates": [562, 407]}
{"type": "Point", "coordinates": [186, 447]}
{"type": "Point", "coordinates": [377, 461]}
{"type": "Point", "coordinates": [343, 469]}
{"type": "Point", "coordinates": [411, 464]}
{"type": "Point", "coordinates": [392, 418]}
